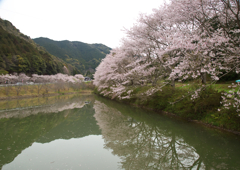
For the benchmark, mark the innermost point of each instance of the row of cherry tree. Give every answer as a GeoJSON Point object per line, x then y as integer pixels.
{"type": "Point", "coordinates": [181, 40]}
{"type": "Point", "coordinates": [43, 84]}
{"type": "Point", "coordinates": [23, 78]}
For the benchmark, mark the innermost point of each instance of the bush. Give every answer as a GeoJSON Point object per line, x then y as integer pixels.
{"type": "Point", "coordinates": [226, 118]}
{"type": "Point", "coordinates": [3, 72]}
{"type": "Point", "coordinates": [208, 100]}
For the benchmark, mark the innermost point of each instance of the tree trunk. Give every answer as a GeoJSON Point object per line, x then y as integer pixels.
{"type": "Point", "coordinates": [204, 77]}
{"type": "Point", "coordinates": [173, 83]}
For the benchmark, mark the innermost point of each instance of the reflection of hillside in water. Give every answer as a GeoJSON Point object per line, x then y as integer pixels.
{"type": "Point", "coordinates": [148, 141]}
{"type": "Point", "coordinates": [19, 129]}
{"type": "Point", "coordinates": [45, 105]}
{"type": "Point", "coordinates": [79, 123]}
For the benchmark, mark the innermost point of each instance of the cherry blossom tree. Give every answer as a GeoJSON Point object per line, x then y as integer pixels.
{"type": "Point", "coordinates": [22, 78]}
{"type": "Point", "coordinates": [42, 83]}
{"type": "Point", "coordinates": [79, 76]}
{"type": "Point", "coordinates": [183, 39]}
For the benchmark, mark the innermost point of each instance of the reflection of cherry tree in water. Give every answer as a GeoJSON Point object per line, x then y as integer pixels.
{"type": "Point", "coordinates": [142, 146]}
{"type": "Point", "coordinates": [43, 105]}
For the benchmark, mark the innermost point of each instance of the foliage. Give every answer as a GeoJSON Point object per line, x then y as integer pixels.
{"type": "Point", "coordinates": [226, 118]}
{"type": "Point", "coordinates": [3, 72]}
{"type": "Point", "coordinates": [208, 101]}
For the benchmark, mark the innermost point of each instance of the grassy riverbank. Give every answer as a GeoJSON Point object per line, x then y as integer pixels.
{"type": "Point", "coordinates": [178, 101]}
{"type": "Point", "coordinates": [39, 90]}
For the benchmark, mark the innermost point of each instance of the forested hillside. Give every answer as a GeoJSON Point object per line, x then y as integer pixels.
{"type": "Point", "coordinates": [19, 53]}
{"type": "Point", "coordinates": [85, 57]}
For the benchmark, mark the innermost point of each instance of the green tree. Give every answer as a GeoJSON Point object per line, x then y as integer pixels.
{"type": "Point", "coordinates": [23, 64]}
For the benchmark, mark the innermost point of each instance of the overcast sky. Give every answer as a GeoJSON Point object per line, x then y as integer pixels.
{"type": "Point", "coordinates": [89, 21]}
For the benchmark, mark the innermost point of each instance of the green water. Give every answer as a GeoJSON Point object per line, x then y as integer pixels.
{"type": "Point", "coordinates": [89, 132]}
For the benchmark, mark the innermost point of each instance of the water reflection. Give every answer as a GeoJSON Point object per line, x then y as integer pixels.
{"type": "Point", "coordinates": [32, 106]}
{"type": "Point", "coordinates": [149, 141]}
{"type": "Point", "coordinates": [89, 132]}
{"type": "Point", "coordinates": [76, 153]}
{"type": "Point", "coordinates": [66, 118]}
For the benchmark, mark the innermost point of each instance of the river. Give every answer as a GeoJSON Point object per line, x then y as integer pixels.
{"type": "Point", "coordinates": [90, 132]}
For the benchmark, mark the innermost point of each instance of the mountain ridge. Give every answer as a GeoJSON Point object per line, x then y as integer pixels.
{"type": "Point", "coordinates": [20, 54]}
{"type": "Point", "coordinates": [82, 55]}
